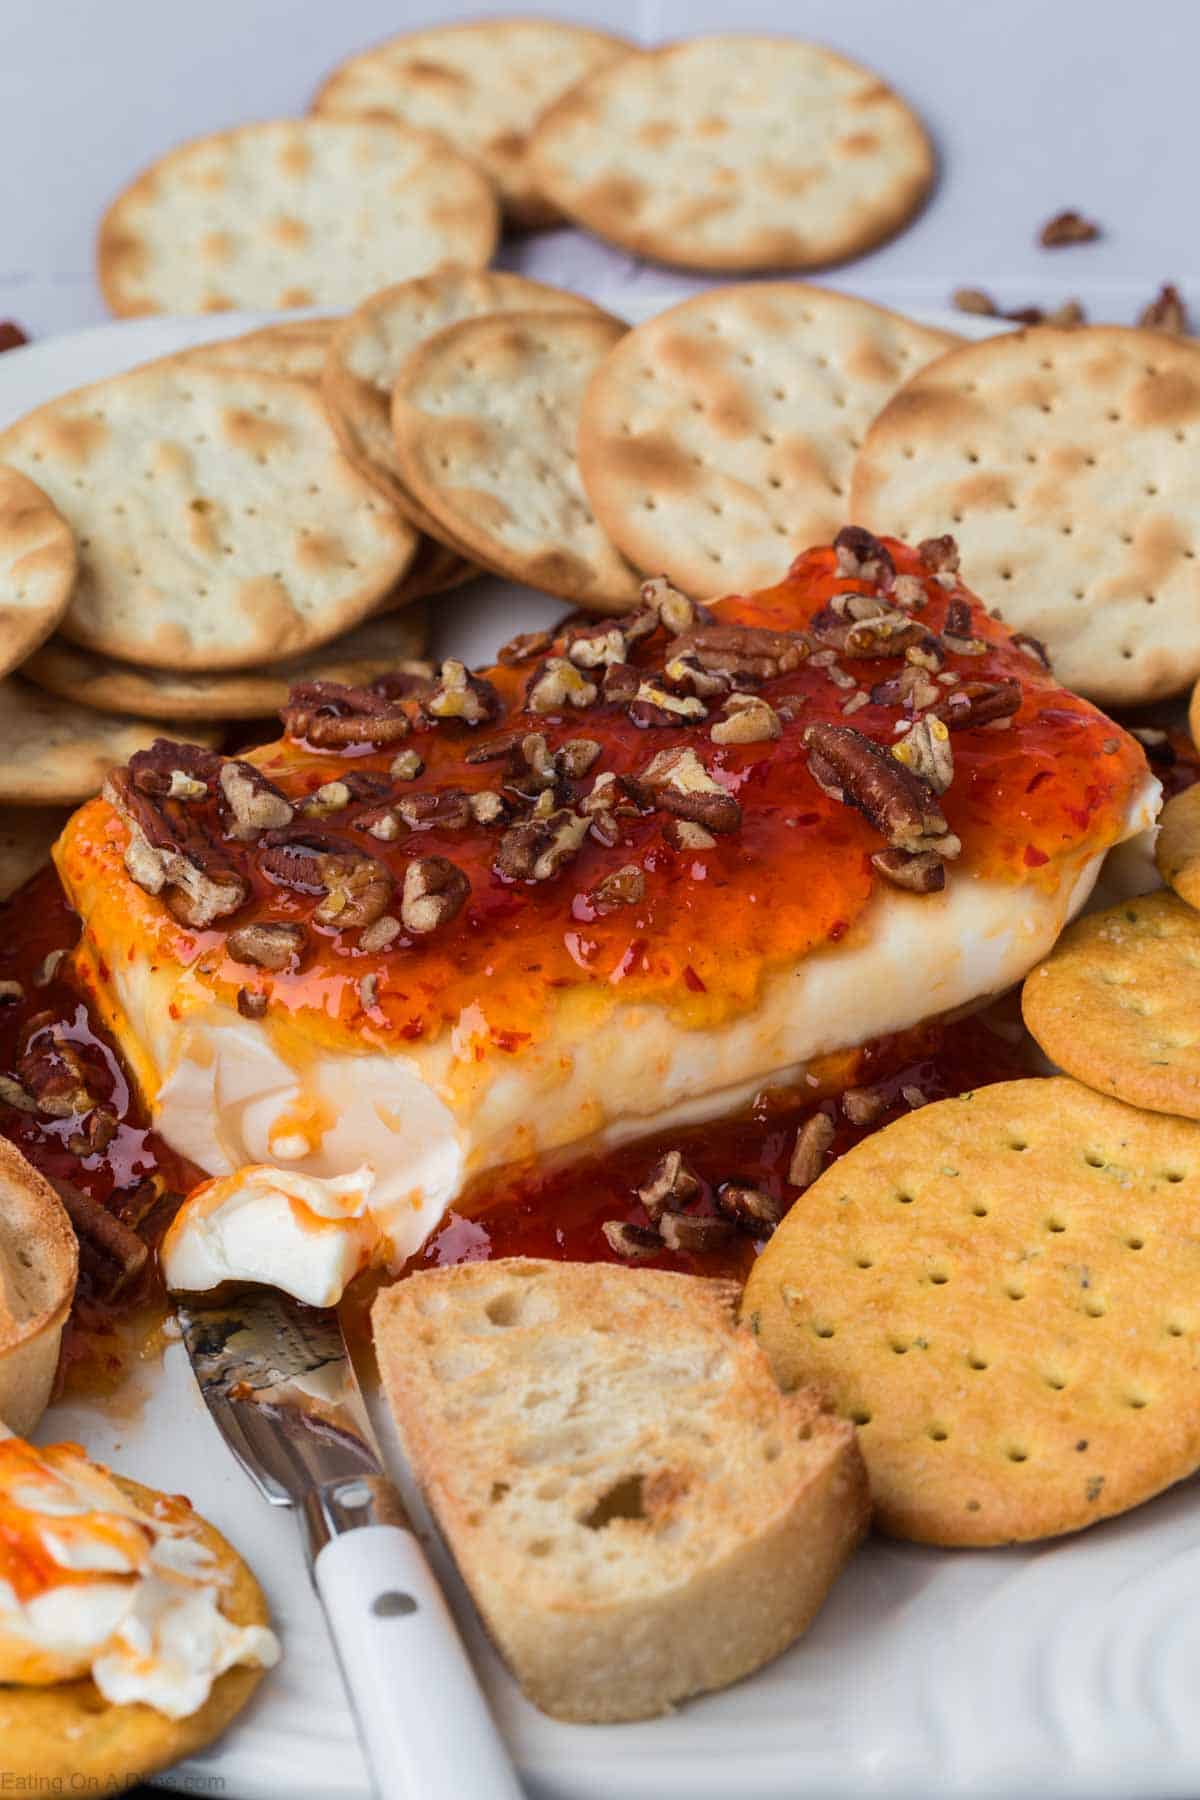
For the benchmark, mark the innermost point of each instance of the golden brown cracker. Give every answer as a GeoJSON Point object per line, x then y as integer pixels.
{"type": "Point", "coordinates": [1064, 462]}
{"type": "Point", "coordinates": [55, 753]}
{"type": "Point", "coordinates": [38, 566]}
{"type": "Point", "coordinates": [1003, 1291]}
{"type": "Point", "coordinates": [1177, 848]}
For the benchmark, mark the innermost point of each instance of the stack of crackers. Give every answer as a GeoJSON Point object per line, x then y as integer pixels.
{"type": "Point", "coordinates": [730, 153]}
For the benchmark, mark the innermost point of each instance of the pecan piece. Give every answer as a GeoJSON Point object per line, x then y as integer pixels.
{"type": "Point", "coordinates": [694, 1232]}
{"type": "Point", "coordinates": [358, 891]}
{"type": "Point", "coordinates": [170, 771]}
{"type": "Point", "coordinates": [980, 703]}
{"type": "Point", "coordinates": [435, 891]}
{"type": "Point", "coordinates": [860, 553]}
{"type": "Point", "coordinates": [672, 1183]}
{"type": "Point", "coordinates": [1067, 227]}
{"type": "Point", "coordinates": [536, 849]}
{"type": "Point", "coordinates": [252, 1005]}
{"type": "Point", "coordinates": [632, 1242]}
{"type": "Point", "coordinates": [749, 720]}
{"type": "Point", "coordinates": [913, 688]}
{"type": "Point", "coordinates": [165, 851]}
{"type": "Point", "coordinates": [558, 685]}
{"type": "Point", "coordinates": [940, 554]}
{"type": "Point", "coordinates": [525, 647]}
{"type": "Point", "coordinates": [864, 1105]}
{"type": "Point", "coordinates": [597, 647]}
{"type": "Point", "coordinates": [919, 871]}
{"type": "Point", "coordinates": [687, 675]}
{"type": "Point", "coordinates": [51, 1070]}
{"type": "Point", "coordinates": [749, 652]}
{"type": "Point", "coordinates": [1033, 648]}
{"type": "Point", "coordinates": [329, 715]}
{"type": "Point", "coordinates": [621, 682]}
{"type": "Point", "coordinates": [808, 1154]}
{"type": "Point", "coordinates": [676, 612]}
{"type": "Point", "coordinates": [975, 301]}
{"type": "Point", "coordinates": [925, 749]}
{"type": "Point", "coordinates": [105, 1236]}
{"type": "Point", "coordinates": [378, 936]}
{"type": "Point", "coordinates": [685, 834]}
{"type": "Point", "coordinates": [677, 782]}
{"type": "Point", "coordinates": [462, 696]}
{"type": "Point", "coordinates": [1166, 312]}
{"type": "Point", "coordinates": [449, 810]}
{"type": "Point", "coordinates": [749, 1208]}
{"type": "Point", "coordinates": [854, 769]}
{"type": "Point", "coordinates": [653, 705]}
{"type": "Point", "coordinates": [623, 887]}
{"type": "Point", "coordinates": [266, 946]}
{"type": "Point", "coordinates": [256, 803]}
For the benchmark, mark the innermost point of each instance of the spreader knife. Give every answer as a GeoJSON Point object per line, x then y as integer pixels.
{"type": "Point", "coordinates": [276, 1377]}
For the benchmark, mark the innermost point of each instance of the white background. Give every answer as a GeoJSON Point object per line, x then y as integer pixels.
{"type": "Point", "coordinates": [1035, 105]}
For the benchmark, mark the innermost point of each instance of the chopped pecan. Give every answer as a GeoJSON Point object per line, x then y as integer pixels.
{"type": "Point", "coordinates": [621, 682]}
{"type": "Point", "coordinates": [574, 758]}
{"type": "Point", "coordinates": [48, 968]}
{"type": "Point", "coordinates": [536, 849]}
{"type": "Point", "coordinates": [622, 887]}
{"type": "Point", "coordinates": [407, 766]}
{"type": "Point", "coordinates": [1033, 648]}
{"type": "Point", "coordinates": [808, 1155]}
{"type": "Point", "coordinates": [913, 688]}
{"type": "Point", "coordinates": [749, 720]}
{"type": "Point", "coordinates": [975, 301]}
{"type": "Point", "coordinates": [294, 860]}
{"type": "Point", "coordinates": [51, 1070]}
{"type": "Point", "coordinates": [1166, 312]}
{"type": "Point", "coordinates": [14, 1095]}
{"type": "Point", "coordinates": [330, 797]}
{"type": "Point", "coordinates": [672, 1183]}
{"type": "Point", "coordinates": [1067, 227]}
{"type": "Point", "coordinates": [329, 715]}
{"type": "Point", "coordinates": [925, 749]}
{"type": "Point", "coordinates": [909, 591]}
{"type": "Point", "coordinates": [678, 783]}
{"type": "Point", "coordinates": [749, 1208]}
{"type": "Point", "coordinates": [558, 685]}
{"type": "Point", "coordinates": [854, 769]}
{"type": "Point", "coordinates": [687, 675]}
{"type": "Point", "coordinates": [919, 871]}
{"type": "Point", "coordinates": [358, 891]}
{"type": "Point", "coordinates": [653, 705]}
{"type": "Point", "coordinates": [11, 992]}
{"type": "Point", "coordinates": [860, 554]}
{"type": "Point", "coordinates": [685, 834]}
{"type": "Point", "coordinates": [694, 1232]}
{"type": "Point", "coordinates": [597, 647]}
{"type": "Point", "coordinates": [750, 652]}
{"type": "Point", "coordinates": [256, 804]}
{"type": "Point", "coordinates": [171, 771]}
{"type": "Point", "coordinates": [525, 647]}
{"type": "Point", "coordinates": [488, 807]}
{"type": "Point", "coordinates": [267, 946]}
{"type": "Point", "coordinates": [97, 1131]}
{"type": "Point", "coordinates": [252, 1005]}
{"type": "Point", "coordinates": [448, 810]}
{"type": "Point", "coordinates": [859, 625]}
{"type": "Point", "coordinates": [980, 703]}
{"type": "Point", "coordinates": [379, 935]}
{"type": "Point", "coordinates": [940, 554]}
{"type": "Point", "coordinates": [675, 611]}
{"type": "Point", "coordinates": [435, 891]}
{"type": "Point", "coordinates": [632, 1242]}
{"type": "Point", "coordinates": [928, 654]}
{"type": "Point", "coordinates": [461, 695]}
{"type": "Point", "coordinates": [166, 850]}
{"type": "Point", "coordinates": [105, 1236]}
{"type": "Point", "coordinates": [409, 680]}
{"type": "Point", "coordinates": [864, 1105]}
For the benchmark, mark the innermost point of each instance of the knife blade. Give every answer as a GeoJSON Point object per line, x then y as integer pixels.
{"type": "Point", "coordinates": [278, 1381]}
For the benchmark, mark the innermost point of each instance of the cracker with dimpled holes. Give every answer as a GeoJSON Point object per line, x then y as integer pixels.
{"type": "Point", "coordinates": [736, 152]}
{"type": "Point", "coordinates": [369, 348]}
{"type": "Point", "coordinates": [1177, 847]}
{"type": "Point", "coordinates": [1117, 1003]}
{"type": "Point", "coordinates": [53, 752]}
{"type": "Point", "coordinates": [218, 524]}
{"type": "Point", "coordinates": [1003, 1291]}
{"type": "Point", "coordinates": [389, 642]}
{"type": "Point", "coordinates": [482, 86]}
{"type": "Point", "coordinates": [717, 440]}
{"type": "Point", "coordinates": [293, 212]}
{"type": "Point", "coordinates": [485, 416]}
{"type": "Point", "coordinates": [68, 1737]}
{"type": "Point", "coordinates": [38, 567]}
{"type": "Point", "coordinates": [1065, 463]}
{"type": "Point", "coordinates": [294, 347]}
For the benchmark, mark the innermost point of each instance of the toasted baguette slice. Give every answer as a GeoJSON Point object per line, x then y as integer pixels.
{"type": "Point", "coordinates": [638, 1511]}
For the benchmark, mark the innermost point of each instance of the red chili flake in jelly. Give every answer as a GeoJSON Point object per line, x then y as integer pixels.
{"type": "Point", "coordinates": [509, 1040]}
{"type": "Point", "coordinates": [838, 930]}
{"type": "Point", "coordinates": [1035, 783]}
{"type": "Point", "coordinates": [1034, 858]}
{"type": "Point", "coordinates": [692, 980]}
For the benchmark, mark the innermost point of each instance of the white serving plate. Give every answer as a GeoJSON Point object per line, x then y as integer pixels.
{"type": "Point", "coordinates": [1067, 1671]}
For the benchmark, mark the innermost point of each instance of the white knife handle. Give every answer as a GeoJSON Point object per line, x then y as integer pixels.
{"type": "Point", "coordinates": [424, 1722]}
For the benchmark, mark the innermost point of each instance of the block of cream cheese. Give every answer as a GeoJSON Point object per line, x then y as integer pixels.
{"type": "Point", "coordinates": [639, 870]}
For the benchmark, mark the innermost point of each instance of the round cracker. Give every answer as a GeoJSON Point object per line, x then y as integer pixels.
{"type": "Point", "coordinates": [218, 523]}
{"type": "Point", "coordinates": [295, 212]}
{"type": "Point", "coordinates": [736, 152]}
{"type": "Point", "coordinates": [1002, 1291]}
{"type": "Point", "coordinates": [68, 1737]}
{"type": "Point", "coordinates": [388, 642]}
{"type": "Point", "coordinates": [1064, 463]}
{"type": "Point", "coordinates": [370, 346]}
{"type": "Point", "coordinates": [1194, 715]}
{"type": "Point", "coordinates": [55, 753]}
{"type": "Point", "coordinates": [1177, 847]}
{"type": "Point", "coordinates": [1117, 1003]}
{"type": "Point", "coordinates": [717, 440]}
{"type": "Point", "coordinates": [293, 347]}
{"type": "Point", "coordinates": [482, 85]}
{"type": "Point", "coordinates": [38, 566]}
{"type": "Point", "coordinates": [26, 836]}
{"type": "Point", "coordinates": [485, 416]}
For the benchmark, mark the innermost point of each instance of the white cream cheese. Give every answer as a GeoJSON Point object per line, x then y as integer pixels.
{"type": "Point", "coordinates": [131, 1597]}
{"type": "Point", "coordinates": [423, 1122]}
